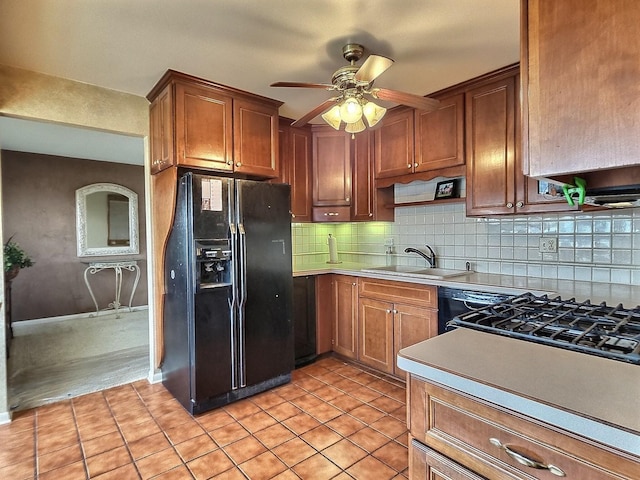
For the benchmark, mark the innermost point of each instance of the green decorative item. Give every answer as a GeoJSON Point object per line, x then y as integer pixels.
{"type": "Point", "coordinates": [578, 189]}
{"type": "Point", "coordinates": [15, 258]}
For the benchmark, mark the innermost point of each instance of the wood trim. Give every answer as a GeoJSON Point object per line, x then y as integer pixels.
{"type": "Point", "coordinates": [450, 172]}
{"type": "Point", "coordinates": [164, 186]}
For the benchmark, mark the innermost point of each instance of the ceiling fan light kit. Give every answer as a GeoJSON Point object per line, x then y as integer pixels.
{"type": "Point", "coordinates": [353, 83]}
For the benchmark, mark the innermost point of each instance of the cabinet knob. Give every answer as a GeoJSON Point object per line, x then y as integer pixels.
{"type": "Point", "coordinates": [394, 311]}
{"type": "Point", "coordinates": [388, 311]}
{"type": "Point", "coordinates": [520, 204]}
{"type": "Point", "coordinates": [348, 199]}
{"type": "Point", "coordinates": [229, 162]}
{"type": "Point", "coordinates": [415, 165]}
{"type": "Point", "coordinates": [509, 205]}
{"type": "Point", "coordinates": [371, 214]}
{"type": "Point", "coordinates": [354, 284]}
{"type": "Point", "coordinates": [408, 165]}
{"type": "Point", "coordinates": [238, 164]}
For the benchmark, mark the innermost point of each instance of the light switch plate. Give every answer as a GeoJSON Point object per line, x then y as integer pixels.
{"type": "Point", "coordinates": [548, 245]}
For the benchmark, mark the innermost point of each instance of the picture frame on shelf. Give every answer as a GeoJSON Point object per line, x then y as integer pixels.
{"type": "Point", "coordinates": [447, 189]}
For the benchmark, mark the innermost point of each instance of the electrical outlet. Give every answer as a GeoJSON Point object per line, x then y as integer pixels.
{"type": "Point", "coordinates": [548, 245]}
{"type": "Point", "coordinates": [388, 242]}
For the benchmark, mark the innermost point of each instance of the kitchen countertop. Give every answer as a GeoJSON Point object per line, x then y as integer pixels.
{"type": "Point", "coordinates": [612, 293]}
{"type": "Point", "coordinates": [594, 397]}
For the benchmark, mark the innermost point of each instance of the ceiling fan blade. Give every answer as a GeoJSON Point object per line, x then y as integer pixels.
{"type": "Point", "coordinates": [323, 107]}
{"type": "Point", "coordinates": [326, 86]}
{"type": "Point", "coordinates": [409, 99]}
{"type": "Point", "coordinates": [372, 68]}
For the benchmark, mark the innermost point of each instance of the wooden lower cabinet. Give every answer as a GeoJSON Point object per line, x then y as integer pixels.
{"type": "Point", "coordinates": [493, 442]}
{"type": "Point", "coordinates": [345, 315]}
{"type": "Point", "coordinates": [411, 325]}
{"type": "Point", "coordinates": [375, 334]}
{"type": "Point", "coordinates": [393, 315]}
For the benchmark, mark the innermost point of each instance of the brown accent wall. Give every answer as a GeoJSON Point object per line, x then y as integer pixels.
{"type": "Point", "coordinates": [38, 194]}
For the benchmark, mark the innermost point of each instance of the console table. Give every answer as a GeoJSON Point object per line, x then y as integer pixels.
{"type": "Point", "coordinates": [117, 267]}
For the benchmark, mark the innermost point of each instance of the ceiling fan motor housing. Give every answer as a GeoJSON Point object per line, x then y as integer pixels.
{"type": "Point", "coordinates": [352, 52]}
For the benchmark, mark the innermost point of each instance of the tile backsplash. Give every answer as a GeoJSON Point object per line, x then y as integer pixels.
{"type": "Point", "coordinates": [599, 247]}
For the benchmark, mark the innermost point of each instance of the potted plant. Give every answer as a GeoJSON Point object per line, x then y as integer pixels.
{"type": "Point", "coordinates": [15, 258]}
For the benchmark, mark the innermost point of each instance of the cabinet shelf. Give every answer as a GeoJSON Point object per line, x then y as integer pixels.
{"type": "Point", "coordinates": [426, 202]}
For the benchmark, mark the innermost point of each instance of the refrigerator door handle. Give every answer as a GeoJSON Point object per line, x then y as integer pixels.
{"type": "Point", "coordinates": [243, 300]}
{"type": "Point", "coordinates": [233, 318]}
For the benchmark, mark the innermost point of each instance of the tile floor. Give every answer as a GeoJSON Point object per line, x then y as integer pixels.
{"type": "Point", "coordinates": [333, 421]}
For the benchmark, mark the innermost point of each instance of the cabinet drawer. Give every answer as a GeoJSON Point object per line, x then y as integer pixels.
{"type": "Point", "coordinates": [467, 430]}
{"type": "Point", "coordinates": [427, 464]}
{"type": "Point", "coordinates": [410, 293]}
{"type": "Point", "coordinates": [331, 214]}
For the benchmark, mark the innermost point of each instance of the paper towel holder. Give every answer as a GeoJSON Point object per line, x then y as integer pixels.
{"type": "Point", "coordinates": [333, 250]}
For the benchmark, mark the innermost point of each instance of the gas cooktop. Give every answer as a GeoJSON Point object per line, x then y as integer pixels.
{"type": "Point", "coordinates": [611, 332]}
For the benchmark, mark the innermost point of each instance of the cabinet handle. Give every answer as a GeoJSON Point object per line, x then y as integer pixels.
{"type": "Point", "coordinates": [238, 164]}
{"type": "Point", "coordinates": [526, 461]}
{"type": "Point", "coordinates": [371, 214]}
{"type": "Point", "coordinates": [394, 311]}
{"type": "Point", "coordinates": [229, 162]}
{"type": "Point", "coordinates": [331, 214]}
{"type": "Point", "coordinates": [415, 165]}
{"type": "Point", "coordinates": [408, 165]}
{"type": "Point", "coordinates": [348, 199]}
{"type": "Point", "coordinates": [509, 205]}
{"type": "Point", "coordinates": [520, 204]}
{"type": "Point", "coordinates": [388, 311]}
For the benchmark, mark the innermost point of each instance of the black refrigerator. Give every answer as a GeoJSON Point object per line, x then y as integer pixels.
{"type": "Point", "coordinates": [228, 291]}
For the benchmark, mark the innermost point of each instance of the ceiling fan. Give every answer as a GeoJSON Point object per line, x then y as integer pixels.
{"type": "Point", "coordinates": [354, 85]}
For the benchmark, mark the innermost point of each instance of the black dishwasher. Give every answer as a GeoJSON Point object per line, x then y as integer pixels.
{"type": "Point", "coordinates": [456, 301]}
{"type": "Point", "coordinates": [304, 319]}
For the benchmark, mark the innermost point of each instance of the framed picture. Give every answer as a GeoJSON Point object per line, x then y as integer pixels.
{"type": "Point", "coordinates": [447, 189]}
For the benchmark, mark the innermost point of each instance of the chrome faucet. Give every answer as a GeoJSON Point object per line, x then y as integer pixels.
{"type": "Point", "coordinates": [429, 258]}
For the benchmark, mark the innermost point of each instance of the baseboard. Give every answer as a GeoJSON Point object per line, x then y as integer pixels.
{"type": "Point", "coordinates": [156, 377]}
{"type": "Point", "coordinates": [86, 315]}
{"type": "Point", "coordinates": [5, 417]}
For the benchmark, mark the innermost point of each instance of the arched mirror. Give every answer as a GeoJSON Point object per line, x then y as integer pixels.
{"type": "Point", "coordinates": [106, 220]}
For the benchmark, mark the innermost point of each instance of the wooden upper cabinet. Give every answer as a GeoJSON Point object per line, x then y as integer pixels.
{"type": "Point", "coordinates": [161, 125]}
{"type": "Point", "coordinates": [580, 82]}
{"type": "Point", "coordinates": [200, 124]}
{"type": "Point", "coordinates": [295, 167]}
{"type": "Point", "coordinates": [490, 138]}
{"type": "Point", "coordinates": [440, 135]}
{"type": "Point", "coordinates": [331, 167]}
{"type": "Point", "coordinates": [255, 138]}
{"type": "Point", "coordinates": [394, 148]}
{"type": "Point", "coordinates": [204, 129]}
{"type": "Point", "coordinates": [495, 182]}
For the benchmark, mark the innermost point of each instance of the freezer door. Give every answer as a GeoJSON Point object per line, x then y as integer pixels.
{"type": "Point", "coordinates": [266, 280]}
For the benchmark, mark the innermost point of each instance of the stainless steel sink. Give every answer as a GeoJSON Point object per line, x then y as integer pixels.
{"type": "Point", "coordinates": [416, 272]}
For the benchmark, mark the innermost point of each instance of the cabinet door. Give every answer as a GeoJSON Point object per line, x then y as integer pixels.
{"type": "Point", "coordinates": [439, 139]}
{"type": "Point", "coordinates": [161, 121]}
{"type": "Point", "coordinates": [490, 143]}
{"type": "Point", "coordinates": [394, 154]}
{"type": "Point", "coordinates": [345, 332]}
{"type": "Point", "coordinates": [255, 146]}
{"type": "Point", "coordinates": [375, 334]}
{"type": "Point", "coordinates": [203, 122]}
{"type": "Point", "coordinates": [412, 325]}
{"type": "Point", "coordinates": [295, 167]}
{"type": "Point", "coordinates": [362, 206]}
{"type": "Point", "coordinates": [331, 167]}
{"type": "Point", "coordinates": [581, 85]}
{"type": "Point", "coordinates": [325, 318]}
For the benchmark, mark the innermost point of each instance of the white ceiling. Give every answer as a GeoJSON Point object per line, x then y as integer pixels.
{"type": "Point", "coordinates": [248, 44]}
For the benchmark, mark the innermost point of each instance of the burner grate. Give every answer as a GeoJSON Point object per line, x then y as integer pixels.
{"type": "Point", "coordinates": [611, 332]}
